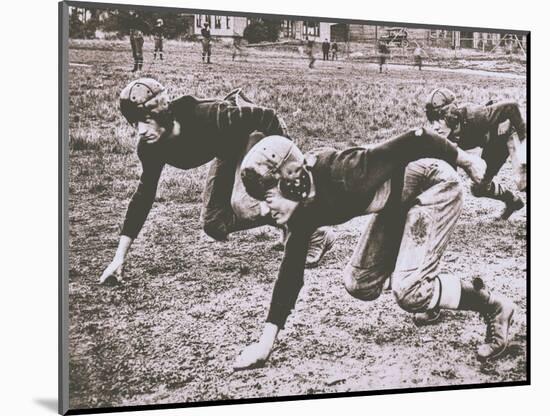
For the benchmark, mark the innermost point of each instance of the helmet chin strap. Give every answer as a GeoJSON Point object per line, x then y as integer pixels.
{"type": "Point", "coordinates": [312, 193]}
{"type": "Point", "coordinates": [176, 129]}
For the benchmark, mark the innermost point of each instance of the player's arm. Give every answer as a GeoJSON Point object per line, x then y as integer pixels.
{"type": "Point", "coordinates": [507, 111]}
{"type": "Point", "coordinates": [385, 158]}
{"type": "Point", "coordinates": [136, 214]}
{"type": "Point", "coordinates": [287, 288]}
{"type": "Point", "coordinates": [517, 146]}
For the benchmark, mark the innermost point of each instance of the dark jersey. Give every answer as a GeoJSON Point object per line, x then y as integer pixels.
{"type": "Point", "coordinates": [158, 32]}
{"type": "Point", "coordinates": [345, 185]}
{"type": "Point", "coordinates": [209, 129]}
{"type": "Point", "coordinates": [205, 33]}
{"type": "Point", "coordinates": [473, 125]}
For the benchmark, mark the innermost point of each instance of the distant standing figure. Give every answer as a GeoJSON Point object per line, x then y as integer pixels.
{"type": "Point", "coordinates": [310, 53]}
{"type": "Point", "coordinates": [418, 57]}
{"type": "Point", "coordinates": [206, 40]}
{"type": "Point", "coordinates": [334, 51]}
{"type": "Point", "coordinates": [326, 49]}
{"type": "Point", "coordinates": [136, 41]}
{"type": "Point", "coordinates": [136, 27]}
{"type": "Point", "coordinates": [383, 52]}
{"type": "Point", "coordinates": [158, 35]}
{"type": "Point", "coordinates": [236, 47]}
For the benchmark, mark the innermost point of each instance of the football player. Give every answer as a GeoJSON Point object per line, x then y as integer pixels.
{"type": "Point", "coordinates": [490, 127]}
{"type": "Point", "coordinates": [158, 36]}
{"type": "Point", "coordinates": [206, 43]}
{"type": "Point", "coordinates": [187, 133]}
{"type": "Point", "coordinates": [412, 194]}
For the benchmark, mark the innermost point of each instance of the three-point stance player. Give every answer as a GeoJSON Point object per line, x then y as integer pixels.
{"type": "Point", "coordinates": [413, 196]}
{"type": "Point", "coordinates": [187, 133]}
{"type": "Point", "coordinates": [471, 126]}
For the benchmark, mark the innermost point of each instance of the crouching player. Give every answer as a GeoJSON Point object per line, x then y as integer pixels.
{"type": "Point", "coordinates": [413, 195]}
{"type": "Point", "coordinates": [186, 133]}
{"type": "Point", "coordinates": [470, 125]}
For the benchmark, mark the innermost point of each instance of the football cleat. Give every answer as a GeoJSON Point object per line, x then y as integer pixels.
{"type": "Point", "coordinates": [515, 205]}
{"type": "Point", "coordinates": [498, 318]}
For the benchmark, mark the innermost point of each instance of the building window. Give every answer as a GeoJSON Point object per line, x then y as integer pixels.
{"type": "Point", "coordinates": [227, 22]}
{"type": "Point", "coordinates": [311, 28]}
{"type": "Point", "coordinates": [287, 28]}
{"type": "Point", "coordinates": [217, 22]}
{"type": "Point", "coordinates": [202, 19]}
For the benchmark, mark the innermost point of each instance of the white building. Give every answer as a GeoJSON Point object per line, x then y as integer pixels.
{"type": "Point", "coordinates": [221, 25]}
{"type": "Point", "coordinates": [306, 29]}
{"type": "Point", "coordinates": [231, 26]}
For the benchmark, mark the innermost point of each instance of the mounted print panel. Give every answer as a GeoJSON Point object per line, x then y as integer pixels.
{"type": "Point", "coordinates": [263, 207]}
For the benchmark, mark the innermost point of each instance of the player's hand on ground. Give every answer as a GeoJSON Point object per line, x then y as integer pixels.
{"type": "Point", "coordinates": [253, 356]}
{"type": "Point", "coordinates": [114, 273]}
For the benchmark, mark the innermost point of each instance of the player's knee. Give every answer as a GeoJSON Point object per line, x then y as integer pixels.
{"type": "Point", "coordinates": [407, 300]}
{"type": "Point", "coordinates": [411, 294]}
{"type": "Point", "coordinates": [353, 278]}
{"type": "Point", "coordinates": [215, 230]}
{"type": "Point", "coordinates": [238, 207]}
{"type": "Point", "coordinates": [214, 226]}
{"type": "Point", "coordinates": [244, 207]}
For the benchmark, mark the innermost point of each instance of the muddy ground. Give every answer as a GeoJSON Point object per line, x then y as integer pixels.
{"type": "Point", "coordinates": [188, 306]}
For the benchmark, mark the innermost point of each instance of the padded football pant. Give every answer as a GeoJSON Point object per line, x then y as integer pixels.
{"type": "Point", "coordinates": [407, 242]}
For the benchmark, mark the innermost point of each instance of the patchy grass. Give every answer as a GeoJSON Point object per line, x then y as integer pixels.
{"type": "Point", "coordinates": [171, 332]}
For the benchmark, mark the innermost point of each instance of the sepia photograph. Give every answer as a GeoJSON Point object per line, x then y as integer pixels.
{"type": "Point", "coordinates": [271, 207]}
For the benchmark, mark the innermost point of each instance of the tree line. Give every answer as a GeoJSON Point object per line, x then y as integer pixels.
{"type": "Point", "coordinates": [84, 22]}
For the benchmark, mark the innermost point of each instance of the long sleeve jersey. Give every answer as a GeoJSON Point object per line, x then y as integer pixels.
{"type": "Point", "coordinates": [472, 125]}
{"type": "Point", "coordinates": [209, 129]}
{"type": "Point", "coordinates": [345, 184]}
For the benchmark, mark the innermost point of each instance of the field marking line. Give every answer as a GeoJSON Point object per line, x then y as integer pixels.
{"type": "Point", "coordinates": [81, 65]}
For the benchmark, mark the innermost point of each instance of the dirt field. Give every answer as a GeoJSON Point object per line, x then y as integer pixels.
{"type": "Point", "coordinates": [188, 306]}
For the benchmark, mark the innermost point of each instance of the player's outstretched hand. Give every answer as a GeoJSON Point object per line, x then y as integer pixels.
{"type": "Point", "coordinates": [114, 273]}
{"type": "Point", "coordinates": [473, 165]}
{"type": "Point", "coordinates": [253, 356]}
